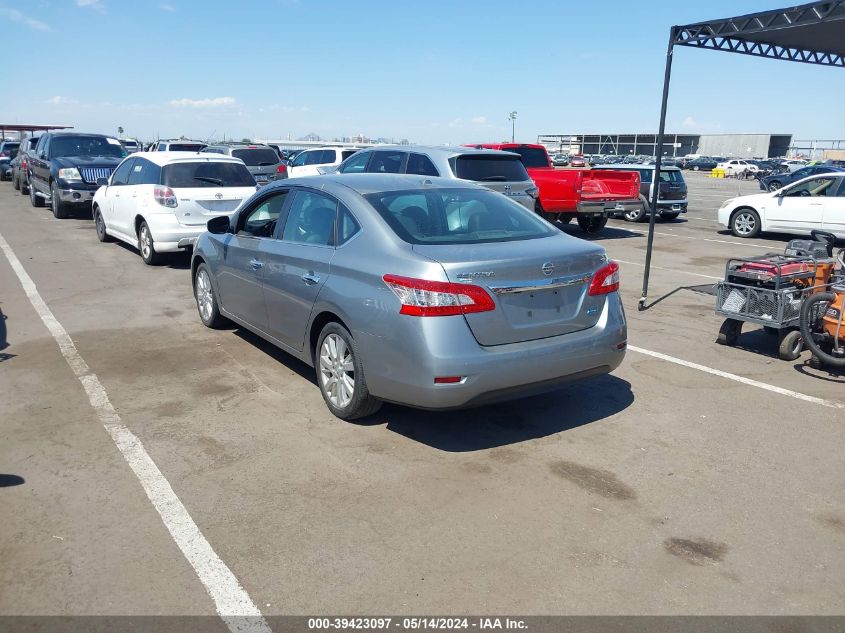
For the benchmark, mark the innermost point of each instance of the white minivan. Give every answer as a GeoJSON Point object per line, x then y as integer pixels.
{"type": "Point", "coordinates": [308, 162]}
{"type": "Point", "coordinates": [159, 202]}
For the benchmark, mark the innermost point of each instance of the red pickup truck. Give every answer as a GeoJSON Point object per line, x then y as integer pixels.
{"type": "Point", "coordinates": [590, 196]}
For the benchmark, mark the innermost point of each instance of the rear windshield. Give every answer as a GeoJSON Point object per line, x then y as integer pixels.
{"type": "Point", "coordinates": [185, 147]}
{"type": "Point", "coordinates": [531, 156]}
{"type": "Point", "coordinates": [86, 146]}
{"type": "Point", "coordinates": [257, 156]}
{"type": "Point", "coordinates": [456, 216]}
{"type": "Point", "coordinates": [671, 175]}
{"type": "Point", "coordinates": [489, 168]}
{"type": "Point", "coordinates": [207, 174]}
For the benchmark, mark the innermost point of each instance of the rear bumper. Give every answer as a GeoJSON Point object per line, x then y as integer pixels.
{"type": "Point", "coordinates": [608, 207]}
{"type": "Point", "coordinates": [402, 370]}
{"type": "Point", "coordinates": [673, 206]}
{"type": "Point", "coordinates": [170, 235]}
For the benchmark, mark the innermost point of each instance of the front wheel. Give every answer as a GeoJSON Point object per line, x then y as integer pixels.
{"type": "Point", "coordinates": [591, 223]}
{"type": "Point", "coordinates": [147, 246]}
{"type": "Point", "coordinates": [774, 185]}
{"type": "Point", "coordinates": [340, 375]}
{"type": "Point", "coordinates": [206, 300]}
{"type": "Point", "coordinates": [745, 223]}
{"type": "Point", "coordinates": [58, 207]}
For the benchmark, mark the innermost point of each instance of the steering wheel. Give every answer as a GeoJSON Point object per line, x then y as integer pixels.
{"type": "Point", "coordinates": [829, 239]}
{"type": "Point", "coordinates": [804, 193]}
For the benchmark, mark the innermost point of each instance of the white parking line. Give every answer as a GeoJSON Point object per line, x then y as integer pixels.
{"type": "Point", "coordinates": [231, 601]}
{"type": "Point", "coordinates": [703, 239]}
{"type": "Point", "coordinates": [671, 270]}
{"type": "Point", "coordinates": [741, 379]}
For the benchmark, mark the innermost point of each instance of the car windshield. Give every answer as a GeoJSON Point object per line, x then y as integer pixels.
{"type": "Point", "coordinates": [86, 146]}
{"type": "Point", "coordinates": [207, 174]}
{"type": "Point", "coordinates": [257, 156]}
{"type": "Point", "coordinates": [456, 216]}
{"type": "Point", "coordinates": [489, 168]}
{"type": "Point", "coordinates": [185, 147]}
{"type": "Point", "coordinates": [531, 156]}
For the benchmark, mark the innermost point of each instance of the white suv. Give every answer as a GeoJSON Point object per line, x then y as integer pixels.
{"type": "Point", "coordinates": [159, 202]}
{"type": "Point", "coordinates": [308, 162]}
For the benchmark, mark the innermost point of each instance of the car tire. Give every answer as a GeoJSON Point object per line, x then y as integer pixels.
{"type": "Point", "coordinates": [58, 207]}
{"type": "Point", "coordinates": [34, 200]}
{"type": "Point", "coordinates": [791, 346]}
{"type": "Point", "coordinates": [745, 222]}
{"type": "Point", "coordinates": [774, 185]}
{"type": "Point", "coordinates": [16, 183]}
{"type": "Point", "coordinates": [668, 216]}
{"type": "Point", "coordinates": [146, 246]}
{"type": "Point", "coordinates": [24, 185]}
{"type": "Point", "coordinates": [592, 224]}
{"type": "Point", "coordinates": [100, 227]}
{"type": "Point", "coordinates": [207, 306]}
{"type": "Point", "coordinates": [695, 168]}
{"type": "Point", "coordinates": [635, 216]}
{"type": "Point", "coordinates": [338, 363]}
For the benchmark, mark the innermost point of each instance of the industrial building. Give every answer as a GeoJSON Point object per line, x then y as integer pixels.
{"type": "Point", "coordinates": [732, 145]}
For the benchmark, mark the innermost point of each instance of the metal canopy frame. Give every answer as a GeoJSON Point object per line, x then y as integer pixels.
{"type": "Point", "coordinates": [811, 33]}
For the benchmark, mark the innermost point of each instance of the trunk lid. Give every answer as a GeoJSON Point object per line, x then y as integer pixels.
{"type": "Point", "coordinates": [530, 304]}
{"type": "Point", "coordinates": [198, 205]}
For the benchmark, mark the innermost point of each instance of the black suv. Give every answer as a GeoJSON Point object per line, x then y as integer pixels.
{"type": "Point", "coordinates": [65, 167]}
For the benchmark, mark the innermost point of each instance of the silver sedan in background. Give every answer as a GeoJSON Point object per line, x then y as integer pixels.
{"type": "Point", "coordinates": [426, 292]}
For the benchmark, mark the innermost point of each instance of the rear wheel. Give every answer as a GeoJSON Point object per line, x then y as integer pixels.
{"type": "Point", "coordinates": [147, 246]}
{"type": "Point", "coordinates": [34, 200]}
{"type": "Point", "coordinates": [16, 183]}
{"type": "Point", "coordinates": [207, 305]}
{"type": "Point", "coordinates": [591, 223]}
{"type": "Point", "coordinates": [24, 185]}
{"type": "Point", "coordinates": [635, 215]}
{"type": "Point", "coordinates": [340, 375]}
{"type": "Point", "coordinates": [775, 185]}
{"type": "Point", "coordinates": [58, 207]}
{"type": "Point", "coordinates": [745, 223]}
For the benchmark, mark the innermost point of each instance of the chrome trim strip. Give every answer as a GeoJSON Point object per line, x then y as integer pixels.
{"type": "Point", "coordinates": [533, 286]}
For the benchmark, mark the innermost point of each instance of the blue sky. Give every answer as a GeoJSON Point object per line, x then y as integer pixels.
{"type": "Point", "coordinates": [435, 72]}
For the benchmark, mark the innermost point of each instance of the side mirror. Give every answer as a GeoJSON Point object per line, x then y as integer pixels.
{"type": "Point", "coordinates": [103, 182]}
{"type": "Point", "coordinates": [218, 225]}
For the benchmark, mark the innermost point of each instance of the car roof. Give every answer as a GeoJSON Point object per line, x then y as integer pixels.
{"type": "Point", "coordinates": [81, 134]}
{"type": "Point", "coordinates": [374, 183]}
{"type": "Point", "coordinates": [446, 151]}
{"type": "Point", "coordinates": [638, 166]}
{"type": "Point", "coordinates": [166, 158]}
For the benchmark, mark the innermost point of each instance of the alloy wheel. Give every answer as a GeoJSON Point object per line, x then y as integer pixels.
{"type": "Point", "coordinates": [745, 223]}
{"type": "Point", "coordinates": [146, 241]}
{"type": "Point", "coordinates": [205, 299]}
{"type": "Point", "coordinates": [337, 371]}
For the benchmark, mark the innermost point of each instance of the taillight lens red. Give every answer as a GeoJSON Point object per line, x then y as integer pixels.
{"type": "Point", "coordinates": [165, 196]}
{"type": "Point", "coordinates": [281, 169]}
{"type": "Point", "coordinates": [423, 298]}
{"type": "Point", "coordinates": [23, 163]}
{"type": "Point", "coordinates": [605, 280]}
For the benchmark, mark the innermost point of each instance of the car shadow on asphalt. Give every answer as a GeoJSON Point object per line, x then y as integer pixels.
{"type": "Point", "coordinates": [607, 233]}
{"type": "Point", "coordinates": [7, 481]}
{"type": "Point", "coordinates": [177, 261]}
{"type": "Point", "coordinates": [466, 430]}
{"type": "Point", "coordinates": [4, 341]}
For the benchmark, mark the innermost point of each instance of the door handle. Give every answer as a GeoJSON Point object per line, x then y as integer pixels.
{"type": "Point", "coordinates": [255, 264]}
{"type": "Point", "coordinates": [310, 279]}
{"type": "Point", "coordinates": [816, 204]}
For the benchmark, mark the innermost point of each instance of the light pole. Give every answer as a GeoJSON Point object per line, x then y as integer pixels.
{"type": "Point", "coordinates": [512, 117]}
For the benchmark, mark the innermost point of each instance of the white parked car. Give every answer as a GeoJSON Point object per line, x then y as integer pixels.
{"type": "Point", "coordinates": [793, 164]}
{"type": "Point", "coordinates": [159, 202]}
{"type": "Point", "coordinates": [737, 167]}
{"type": "Point", "coordinates": [308, 162]}
{"type": "Point", "coordinates": [814, 203]}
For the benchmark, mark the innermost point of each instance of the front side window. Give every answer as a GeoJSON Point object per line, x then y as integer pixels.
{"type": "Point", "coordinates": [356, 164]}
{"type": "Point", "coordinates": [207, 174]}
{"type": "Point", "coordinates": [144, 173]}
{"type": "Point", "coordinates": [311, 219]}
{"type": "Point", "coordinates": [457, 216]}
{"type": "Point", "coordinates": [814, 188]}
{"type": "Point", "coordinates": [386, 163]}
{"type": "Point", "coordinates": [121, 174]}
{"type": "Point", "coordinates": [261, 220]}
{"type": "Point", "coordinates": [300, 159]}
{"type": "Point", "coordinates": [801, 173]}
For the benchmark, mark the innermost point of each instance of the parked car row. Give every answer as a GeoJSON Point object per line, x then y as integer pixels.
{"type": "Point", "coordinates": [407, 277]}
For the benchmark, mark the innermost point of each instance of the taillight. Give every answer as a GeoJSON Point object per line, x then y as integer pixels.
{"type": "Point", "coordinates": [605, 280]}
{"type": "Point", "coordinates": [281, 169]}
{"type": "Point", "coordinates": [422, 298]}
{"type": "Point", "coordinates": [23, 164]}
{"type": "Point", "coordinates": [4, 154]}
{"type": "Point", "coordinates": [165, 196]}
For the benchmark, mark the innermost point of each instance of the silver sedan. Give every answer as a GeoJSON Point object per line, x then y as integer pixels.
{"type": "Point", "coordinates": [426, 292]}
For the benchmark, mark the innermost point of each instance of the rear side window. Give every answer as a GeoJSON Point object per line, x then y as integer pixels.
{"type": "Point", "coordinates": [257, 157]}
{"type": "Point", "coordinates": [645, 175]}
{"type": "Point", "coordinates": [327, 156]}
{"type": "Point", "coordinates": [489, 168]}
{"type": "Point", "coordinates": [457, 216]}
{"type": "Point", "coordinates": [207, 174]}
{"type": "Point", "coordinates": [386, 163]}
{"type": "Point", "coordinates": [420, 164]}
{"type": "Point", "coordinates": [347, 153]}
{"type": "Point", "coordinates": [144, 173]}
{"type": "Point", "coordinates": [346, 227]}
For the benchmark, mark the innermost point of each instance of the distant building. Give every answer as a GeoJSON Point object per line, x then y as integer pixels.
{"type": "Point", "coordinates": [738, 145]}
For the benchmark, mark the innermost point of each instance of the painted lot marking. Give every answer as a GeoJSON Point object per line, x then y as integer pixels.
{"type": "Point", "coordinates": [741, 379]}
{"type": "Point", "coordinates": [702, 239]}
{"type": "Point", "coordinates": [671, 270]}
{"type": "Point", "coordinates": [232, 603]}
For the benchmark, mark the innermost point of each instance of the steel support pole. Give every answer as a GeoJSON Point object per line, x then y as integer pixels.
{"type": "Point", "coordinates": [656, 179]}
